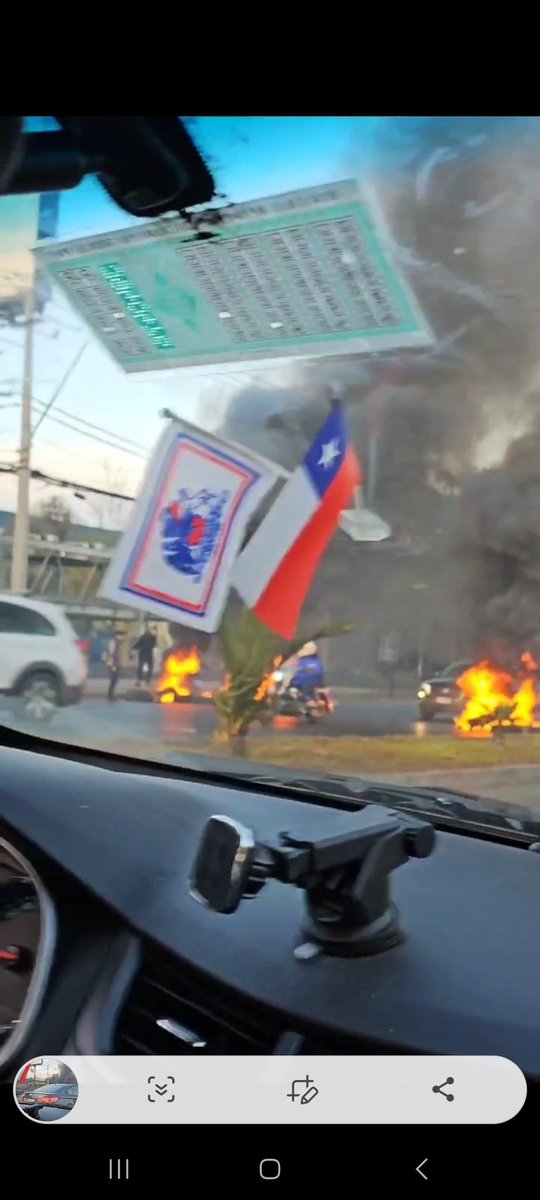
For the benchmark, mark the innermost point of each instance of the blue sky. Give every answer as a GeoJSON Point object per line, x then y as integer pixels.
{"type": "Point", "coordinates": [250, 157]}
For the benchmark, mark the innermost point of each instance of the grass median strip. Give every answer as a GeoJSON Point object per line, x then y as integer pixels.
{"type": "Point", "coordinates": [347, 754]}
{"type": "Point", "coordinates": [389, 753]}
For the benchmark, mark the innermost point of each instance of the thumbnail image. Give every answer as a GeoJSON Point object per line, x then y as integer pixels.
{"type": "Point", "coordinates": [46, 1089]}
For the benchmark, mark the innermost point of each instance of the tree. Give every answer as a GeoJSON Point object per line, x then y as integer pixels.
{"type": "Point", "coordinates": [53, 517]}
{"type": "Point", "coordinates": [110, 512]}
{"type": "Point", "coordinates": [249, 651]}
{"type": "Point", "coordinates": [64, 1074]}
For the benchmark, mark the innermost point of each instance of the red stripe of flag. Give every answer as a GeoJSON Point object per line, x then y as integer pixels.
{"type": "Point", "coordinates": [280, 605]}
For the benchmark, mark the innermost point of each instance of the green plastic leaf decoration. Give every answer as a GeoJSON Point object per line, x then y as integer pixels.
{"type": "Point", "coordinates": [249, 652]}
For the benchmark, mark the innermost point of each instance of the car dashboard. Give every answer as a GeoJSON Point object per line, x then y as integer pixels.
{"type": "Point", "coordinates": [127, 963]}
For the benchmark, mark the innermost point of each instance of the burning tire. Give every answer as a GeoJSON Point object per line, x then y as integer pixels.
{"type": "Point", "coordinates": [496, 700]}
{"type": "Point", "coordinates": [178, 669]}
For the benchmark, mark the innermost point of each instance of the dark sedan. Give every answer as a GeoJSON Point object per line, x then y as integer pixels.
{"type": "Point", "coordinates": [59, 1096]}
{"type": "Point", "coordinates": [441, 694]}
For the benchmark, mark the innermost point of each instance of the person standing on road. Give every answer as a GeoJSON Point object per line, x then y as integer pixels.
{"type": "Point", "coordinates": [113, 660]}
{"type": "Point", "coordinates": [388, 660]}
{"type": "Point", "coordinates": [145, 646]}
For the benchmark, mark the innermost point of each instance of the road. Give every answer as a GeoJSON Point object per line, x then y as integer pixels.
{"type": "Point", "coordinates": [95, 720]}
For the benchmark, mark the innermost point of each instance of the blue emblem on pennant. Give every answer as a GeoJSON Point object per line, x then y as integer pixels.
{"type": "Point", "coordinates": [190, 528]}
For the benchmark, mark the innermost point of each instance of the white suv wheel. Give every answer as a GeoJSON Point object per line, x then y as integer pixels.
{"type": "Point", "coordinates": [40, 698]}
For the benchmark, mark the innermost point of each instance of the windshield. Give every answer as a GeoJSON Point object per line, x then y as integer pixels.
{"type": "Point", "coordinates": [53, 1087]}
{"type": "Point", "coordinates": [261, 479]}
{"type": "Point", "coordinates": [455, 670]}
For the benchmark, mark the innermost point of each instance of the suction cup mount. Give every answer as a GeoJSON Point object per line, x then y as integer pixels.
{"type": "Point", "coordinates": [345, 872]}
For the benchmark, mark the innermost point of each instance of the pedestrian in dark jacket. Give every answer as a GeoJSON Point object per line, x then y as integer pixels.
{"type": "Point", "coordinates": [145, 646]}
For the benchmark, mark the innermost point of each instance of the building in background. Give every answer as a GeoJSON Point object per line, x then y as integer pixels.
{"type": "Point", "coordinates": [24, 220]}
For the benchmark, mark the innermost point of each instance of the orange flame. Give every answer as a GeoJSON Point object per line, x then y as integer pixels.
{"type": "Point", "coordinates": [178, 669]}
{"type": "Point", "coordinates": [494, 700]}
{"type": "Point", "coordinates": [266, 682]}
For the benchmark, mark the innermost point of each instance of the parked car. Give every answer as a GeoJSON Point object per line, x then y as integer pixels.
{"type": "Point", "coordinates": [40, 657]}
{"type": "Point", "coordinates": [440, 694]}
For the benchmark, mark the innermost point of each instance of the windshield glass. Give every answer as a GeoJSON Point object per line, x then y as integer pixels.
{"type": "Point", "coordinates": [455, 670]}
{"type": "Point", "coordinates": [53, 1087]}
{"type": "Point", "coordinates": [262, 478]}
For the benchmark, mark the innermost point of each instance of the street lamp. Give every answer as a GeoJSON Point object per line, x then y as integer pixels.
{"type": "Point", "coordinates": [423, 588]}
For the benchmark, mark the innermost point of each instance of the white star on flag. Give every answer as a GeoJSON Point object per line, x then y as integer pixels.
{"type": "Point", "coordinates": [329, 451]}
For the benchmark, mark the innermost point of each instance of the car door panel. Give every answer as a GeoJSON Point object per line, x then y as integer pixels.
{"type": "Point", "coordinates": [24, 640]}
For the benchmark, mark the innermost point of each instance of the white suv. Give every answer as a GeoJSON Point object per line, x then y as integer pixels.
{"type": "Point", "coordinates": [40, 658]}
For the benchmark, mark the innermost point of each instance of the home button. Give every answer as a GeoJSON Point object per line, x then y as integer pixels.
{"type": "Point", "coordinates": [269, 1168]}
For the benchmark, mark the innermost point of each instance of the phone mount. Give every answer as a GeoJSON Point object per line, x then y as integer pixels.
{"type": "Point", "coordinates": [345, 874]}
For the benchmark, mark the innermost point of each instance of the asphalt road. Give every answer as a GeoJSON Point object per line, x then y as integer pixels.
{"type": "Point", "coordinates": [96, 718]}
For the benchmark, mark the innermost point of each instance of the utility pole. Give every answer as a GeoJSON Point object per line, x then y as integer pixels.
{"type": "Point", "coordinates": [19, 561]}
{"type": "Point", "coordinates": [375, 406]}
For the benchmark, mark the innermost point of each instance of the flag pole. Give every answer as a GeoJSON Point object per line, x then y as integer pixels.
{"type": "Point", "coordinates": [335, 399]}
{"type": "Point", "coordinates": [379, 529]}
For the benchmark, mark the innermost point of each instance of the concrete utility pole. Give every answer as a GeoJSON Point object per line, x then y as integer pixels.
{"type": "Point", "coordinates": [19, 562]}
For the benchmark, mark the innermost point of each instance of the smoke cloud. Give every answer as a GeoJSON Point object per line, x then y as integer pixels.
{"type": "Point", "coordinates": [461, 197]}
{"type": "Point", "coordinates": [497, 548]}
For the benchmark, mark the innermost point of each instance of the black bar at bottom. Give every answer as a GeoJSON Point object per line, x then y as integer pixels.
{"type": "Point", "coordinates": [270, 1159]}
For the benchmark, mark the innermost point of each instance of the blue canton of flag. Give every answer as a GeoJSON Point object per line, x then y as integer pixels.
{"type": "Point", "coordinates": [325, 456]}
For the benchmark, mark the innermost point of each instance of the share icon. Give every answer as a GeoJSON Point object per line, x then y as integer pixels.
{"type": "Point", "coordinates": [439, 1087]}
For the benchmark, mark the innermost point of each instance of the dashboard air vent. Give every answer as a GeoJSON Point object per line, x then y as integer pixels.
{"type": "Point", "coordinates": [173, 1009]}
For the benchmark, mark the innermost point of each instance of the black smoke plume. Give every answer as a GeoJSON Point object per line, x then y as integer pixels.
{"type": "Point", "coordinates": [461, 197]}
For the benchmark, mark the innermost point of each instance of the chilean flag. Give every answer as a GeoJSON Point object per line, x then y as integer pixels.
{"type": "Point", "coordinates": [274, 572]}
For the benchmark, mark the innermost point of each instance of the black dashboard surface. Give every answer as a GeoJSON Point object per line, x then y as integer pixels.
{"type": "Point", "coordinates": [465, 981]}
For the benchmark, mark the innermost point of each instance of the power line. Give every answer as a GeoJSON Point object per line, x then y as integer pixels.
{"type": "Point", "coordinates": [94, 437]}
{"type": "Point", "coordinates": [5, 469]}
{"type": "Point", "coordinates": [60, 386]}
{"type": "Point", "coordinates": [106, 441]}
{"type": "Point", "coordinates": [98, 428]}
{"type": "Point", "coordinates": [47, 404]}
